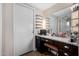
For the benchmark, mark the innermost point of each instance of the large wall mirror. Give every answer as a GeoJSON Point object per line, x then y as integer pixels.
{"type": "Point", "coordinates": [65, 24]}
{"type": "Point", "coordinates": [61, 21]}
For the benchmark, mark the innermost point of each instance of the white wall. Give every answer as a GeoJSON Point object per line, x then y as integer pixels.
{"type": "Point", "coordinates": [0, 29]}
{"type": "Point", "coordinates": [7, 33]}
{"type": "Point", "coordinates": [36, 11]}
{"type": "Point", "coordinates": [16, 34]}
{"type": "Point", "coordinates": [23, 28]}
{"type": "Point", "coordinates": [17, 29]}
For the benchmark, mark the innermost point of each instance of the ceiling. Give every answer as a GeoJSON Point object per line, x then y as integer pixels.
{"type": "Point", "coordinates": [49, 9]}
{"type": "Point", "coordinates": [64, 12]}
{"type": "Point", "coordinates": [42, 6]}
{"type": "Point", "coordinates": [57, 8]}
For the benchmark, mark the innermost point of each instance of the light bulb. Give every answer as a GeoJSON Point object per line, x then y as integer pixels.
{"type": "Point", "coordinates": [67, 23]}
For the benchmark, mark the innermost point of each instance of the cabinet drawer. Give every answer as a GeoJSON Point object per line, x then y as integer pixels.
{"type": "Point", "coordinates": [69, 49]}
{"type": "Point", "coordinates": [48, 41]}
{"type": "Point", "coordinates": [64, 53]}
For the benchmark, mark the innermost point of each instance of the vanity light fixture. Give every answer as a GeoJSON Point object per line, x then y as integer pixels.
{"type": "Point", "coordinates": [67, 23]}
{"type": "Point", "coordinates": [75, 7]}
{"type": "Point", "coordinates": [44, 24]}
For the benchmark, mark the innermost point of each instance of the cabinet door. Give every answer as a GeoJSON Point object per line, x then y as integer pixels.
{"type": "Point", "coordinates": [38, 42]}
{"type": "Point", "coordinates": [23, 27]}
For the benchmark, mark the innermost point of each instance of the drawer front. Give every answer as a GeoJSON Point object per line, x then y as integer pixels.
{"type": "Point", "coordinates": [48, 41]}
{"type": "Point", "coordinates": [64, 53]}
{"type": "Point", "coordinates": [66, 47]}
{"type": "Point", "coordinates": [69, 49]}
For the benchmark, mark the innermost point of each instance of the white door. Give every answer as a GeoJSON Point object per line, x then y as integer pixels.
{"type": "Point", "coordinates": [0, 29]}
{"type": "Point", "coordinates": [23, 27]}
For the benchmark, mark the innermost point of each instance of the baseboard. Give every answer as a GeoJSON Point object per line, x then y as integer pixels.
{"type": "Point", "coordinates": [34, 49]}
{"type": "Point", "coordinates": [26, 53]}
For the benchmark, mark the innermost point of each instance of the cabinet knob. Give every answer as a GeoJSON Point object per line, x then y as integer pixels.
{"type": "Point", "coordinates": [66, 47]}
{"type": "Point", "coordinates": [65, 54]}
{"type": "Point", "coordinates": [46, 40]}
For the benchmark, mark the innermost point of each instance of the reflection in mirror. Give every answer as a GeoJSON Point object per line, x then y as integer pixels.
{"type": "Point", "coordinates": [65, 24]}
{"type": "Point", "coordinates": [60, 23]}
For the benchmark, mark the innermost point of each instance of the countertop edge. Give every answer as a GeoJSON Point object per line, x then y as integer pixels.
{"type": "Point", "coordinates": [75, 44]}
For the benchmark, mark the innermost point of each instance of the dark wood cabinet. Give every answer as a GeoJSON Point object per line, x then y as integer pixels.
{"type": "Point", "coordinates": [40, 44]}
{"type": "Point", "coordinates": [64, 49]}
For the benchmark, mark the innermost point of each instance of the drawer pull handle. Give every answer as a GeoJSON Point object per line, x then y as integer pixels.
{"type": "Point", "coordinates": [46, 40]}
{"type": "Point", "coordinates": [65, 54]}
{"type": "Point", "coordinates": [66, 47]}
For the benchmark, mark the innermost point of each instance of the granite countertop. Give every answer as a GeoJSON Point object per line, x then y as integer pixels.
{"type": "Point", "coordinates": [61, 39]}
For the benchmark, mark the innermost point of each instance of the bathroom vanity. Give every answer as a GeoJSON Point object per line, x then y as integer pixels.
{"type": "Point", "coordinates": [57, 46]}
